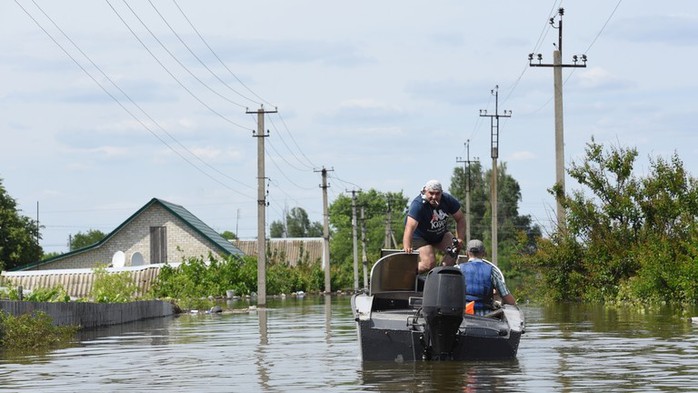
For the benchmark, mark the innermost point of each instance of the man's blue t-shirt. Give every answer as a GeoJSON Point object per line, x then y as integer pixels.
{"type": "Point", "coordinates": [432, 221]}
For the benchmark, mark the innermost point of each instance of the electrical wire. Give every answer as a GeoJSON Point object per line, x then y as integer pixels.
{"type": "Point", "coordinates": [101, 86]}
{"type": "Point", "coordinates": [279, 133]}
{"type": "Point", "coordinates": [196, 56]}
{"type": "Point", "coordinates": [216, 55]}
{"type": "Point", "coordinates": [157, 60]}
{"type": "Point", "coordinates": [169, 52]}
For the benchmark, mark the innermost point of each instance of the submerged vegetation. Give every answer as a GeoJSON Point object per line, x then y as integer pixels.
{"type": "Point", "coordinates": [33, 332]}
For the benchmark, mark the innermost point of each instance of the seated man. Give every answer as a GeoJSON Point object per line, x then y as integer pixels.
{"type": "Point", "coordinates": [481, 278]}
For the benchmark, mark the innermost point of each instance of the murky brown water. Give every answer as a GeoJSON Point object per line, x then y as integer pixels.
{"type": "Point", "coordinates": [310, 344]}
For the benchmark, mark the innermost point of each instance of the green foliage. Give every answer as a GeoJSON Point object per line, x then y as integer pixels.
{"type": "Point", "coordinates": [32, 332]}
{"type": "Point", "coordinates": [112, 287]}
{"type": "Point", "coordinates": [634, 239]}
{"type": "Point", "coordinates": [277, 229]}
{"type": "Point", "coordinates": [195, 278]}
{"type": "Point", "coordinates": [80, 240]}
{"type": "Point", "coordinates": [297, 224]}
{"type": "Point", "coordinates": [379, 209]}
{"type": "Point", "coordinates": [510, 224]}
{"type": "Point", "coordinates": [227, 235]}
{"type": "Point", "coordinates": [19, 235]}
{"type": "Point", "coordinates": [50, 255]}
{"type": "Point", "coordinates": [54, 294]}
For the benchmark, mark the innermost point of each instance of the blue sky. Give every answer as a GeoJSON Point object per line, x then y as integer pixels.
{"type": "Point", "coordinates": [136, 100]}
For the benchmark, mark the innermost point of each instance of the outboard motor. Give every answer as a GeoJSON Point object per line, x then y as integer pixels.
{"type": "Point", "coordinates": [443, 301]}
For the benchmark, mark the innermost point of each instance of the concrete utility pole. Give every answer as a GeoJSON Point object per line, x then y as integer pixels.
{"type": "Point", "coordinates": [325, 231]}
{"type": "Point", "coordinates": [494, 126]}
{"type": "Point", "coordinates": [466, 172]}
{"type": "Point", "coordinates": [364, 257]}
{"type": "Point", "coordinates": [388, 241]}
{"type": "Point", "coordinates": [261, 208]}
{"type": "Point", "coordinates": [559, 129]}
{"type": "Point", "coordinates": [353, 236]}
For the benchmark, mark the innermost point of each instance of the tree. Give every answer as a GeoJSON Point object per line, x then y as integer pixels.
{"type": "Point", "coordinates": [228, 235]}
{"type": "Point", "coordinates": [80, 240]}
{"type": "Point", "coordinates": [516, 233]}
{"type": "Point", "coordinates": [634, 238]}
{"type": "Point", "coordinates": [375, 206]}
{"type": "Point", "coordinates": [277, 229]}
{"type": "Point", "coordinates": [297, 225]}
{"type": "Point", "coordinates": [19, 235]}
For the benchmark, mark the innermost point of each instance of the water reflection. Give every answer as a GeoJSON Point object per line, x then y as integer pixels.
{"type": "Point", "coordinates": [440, 376]}
{"type": "Point", "coordinates": [262, 371]}
{"type": "Point", "coordinates": [310, 344]}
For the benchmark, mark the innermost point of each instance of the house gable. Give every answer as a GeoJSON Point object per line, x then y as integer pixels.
{"type": "Point", "coordinates": [186, 236]}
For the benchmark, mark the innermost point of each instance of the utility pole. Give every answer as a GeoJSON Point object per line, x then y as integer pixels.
{"type": "Point", "coordinates": [466, 172]}
{"type": "Point", "coordinates": [38, 227]}
{"type": "Point", "coordinates": [559, 129]}
{"type": "Point", "coordinates": [354, 240]}
{"type": "Point", "coordinates": [364, 257]}
{"type": "Point", "coordinates": [325, 231]}
{"type": "Point", "coordinates": [261, 207]}
{"type": "Point", "coordinates": [494, 127]}
{"type": "Point", "coordinates": [387, 241]}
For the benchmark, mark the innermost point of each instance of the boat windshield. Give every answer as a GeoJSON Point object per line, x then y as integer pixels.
{"type": "Point", "coordinates": [394, 272]}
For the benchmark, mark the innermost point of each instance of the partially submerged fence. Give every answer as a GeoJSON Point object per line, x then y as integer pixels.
{"type": "Point", "coordinates": [78, 282]}
{"type": "Point", "coordinates": [90, 315]}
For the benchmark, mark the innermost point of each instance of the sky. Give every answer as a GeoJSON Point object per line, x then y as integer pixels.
{"type": "Point", "coordinates": [105, 105]}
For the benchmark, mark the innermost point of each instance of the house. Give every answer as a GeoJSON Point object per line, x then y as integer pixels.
{"type": "Point", "coordinates": [159, 232]}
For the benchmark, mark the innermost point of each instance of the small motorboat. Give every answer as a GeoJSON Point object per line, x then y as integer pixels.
{"type": "Point", "coordinates": [407, 317]}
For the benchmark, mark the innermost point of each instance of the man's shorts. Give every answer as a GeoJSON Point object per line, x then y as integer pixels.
{"type": "Point", "coordinates": [419, 242]}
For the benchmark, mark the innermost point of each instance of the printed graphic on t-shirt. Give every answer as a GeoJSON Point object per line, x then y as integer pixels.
{"type": "Point", "coordinates": [438, 221]}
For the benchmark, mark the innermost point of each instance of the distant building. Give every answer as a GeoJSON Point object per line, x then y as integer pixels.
{"type": "Point", "coordinates": [291, 249]}
{"type": "Point", "coordinates": [159, 232]}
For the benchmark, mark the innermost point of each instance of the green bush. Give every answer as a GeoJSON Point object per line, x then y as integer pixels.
{"type": "Point", "coordinates": [33, 331]}
{"type": "Point", "coordinates": [112, 287]}
{"type": "Point", "coordinates": [196, 279]}
{"type": "Point", "coordinates": [54, 294]}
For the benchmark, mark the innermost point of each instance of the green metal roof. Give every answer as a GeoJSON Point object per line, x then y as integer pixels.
{"type": "Point", "coordinates": [224, 246]}
{"type": "Point", "coordinates": [206, 231]}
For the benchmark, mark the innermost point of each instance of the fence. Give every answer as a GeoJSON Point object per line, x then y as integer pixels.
{"type": "Point", "coordinates": [78, 282]}
{"type": "Point", "coordinates": [90, 315]}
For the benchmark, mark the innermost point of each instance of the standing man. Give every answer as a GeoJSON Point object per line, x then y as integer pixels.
{"type": "Point", "coordinates": [425, 226]}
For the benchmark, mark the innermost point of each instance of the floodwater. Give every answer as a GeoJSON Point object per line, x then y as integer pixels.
{"type": "Point", "coordinates": [310, 344]}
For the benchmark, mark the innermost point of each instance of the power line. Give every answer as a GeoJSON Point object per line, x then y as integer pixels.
{"type": "Point", "coordinates": [169, 52]}
{"type": "Point", "coordinates": [195, 55]}
{"type": "Point", "coordinates": [307, 163]}
{"type": "Point", "coordinates": [55, 41]}
{"type": "Point", "coordinates": [216, 55]}
{"type": "Point", "coordinates": [157, 60]}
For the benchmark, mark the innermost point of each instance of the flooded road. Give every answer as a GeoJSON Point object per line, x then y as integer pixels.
{"type": "Point", "coordinates": [310, 344]}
